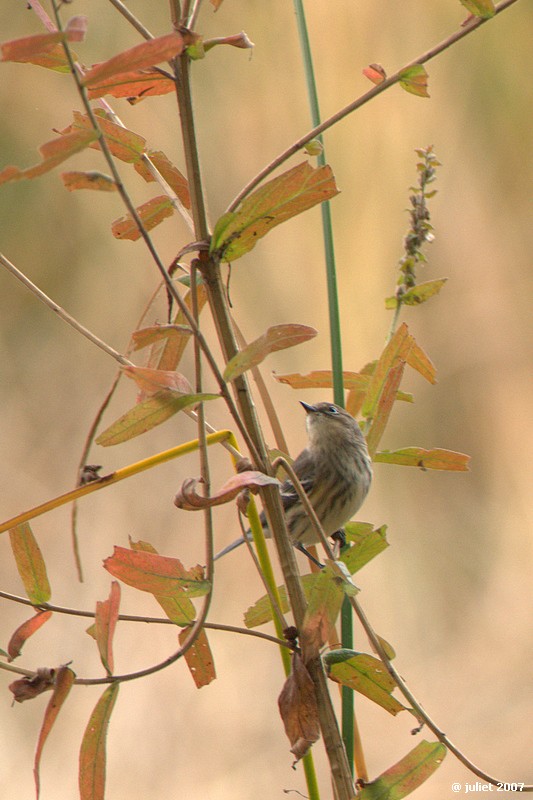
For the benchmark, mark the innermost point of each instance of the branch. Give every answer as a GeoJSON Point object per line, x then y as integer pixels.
{"type": "Point", "coordinates": [361, 101]}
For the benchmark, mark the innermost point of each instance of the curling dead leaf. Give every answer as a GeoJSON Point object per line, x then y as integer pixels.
{"type": "Point", "coordinates": [62, 686]}
{"type": "Point", "coordinates": [278, 337]}
{"type": "Point", "coordinates": [425, 459]}
{"type": "Point", "coordinates": [147, 415]}
{"type": "Point", "coordinates": [159, 575]}
{"type": "Point", "coordinates": [189, 500]}
{"type": "Point", "coordinates": [298, 709]}
{"type": "Point", "coordinates": [53, 153]}
{"type": "Point", "coordinates": [278, 200]}
{"type": "Point", "coordinates": [418, 294]}
{"type": "Point", "coordinates": [105, 623]}
{"type": "Point", "coordinates": [92, 762]}
{"type": "Point", "coordinates": [178, 608]}
{"type": "Point", "coordinates": [96, 181]}
{"type": "Point", "coordinates": [375, 73]}
{"type": "Point", "coordinates": [366, 675]}
{"type": "Point", "coordinates": [28, 688]}
{"type": "Point", "coordinates": [152, 213]}
{"type": "Point", "coordinates": [407, 775]}
{"type": "Point", "coordinates": [147, 54]}
{"type": "Point", "coordinates": [24, 631]}
{"type": "Point", "coordinates": [152, 380]}
{"type": "Point", "coordinates": [415, 80]}
{"type": "Point", "coordinates": [199, 659]}
{"type": "Point", "coordinates": [30, 564]}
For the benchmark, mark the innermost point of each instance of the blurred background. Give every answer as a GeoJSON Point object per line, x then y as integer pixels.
{"type": "Point", "coordinates": [453, 591]}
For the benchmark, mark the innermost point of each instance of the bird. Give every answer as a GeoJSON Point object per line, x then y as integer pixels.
{"type": "Point", "coordinates": [335, 471]}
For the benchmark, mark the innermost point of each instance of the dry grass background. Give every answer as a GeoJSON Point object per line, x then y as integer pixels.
{"type": "Point", "coordinates": [453, 592]}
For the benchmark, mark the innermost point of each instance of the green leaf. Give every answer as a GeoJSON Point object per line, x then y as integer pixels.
{"type": "Point", "coordinates": [93, 747]}
{"type": "Point", "coordinates": [366, 675]}
{"type": "Point", "coordinates": [418, 294]}
{"type": "Point", "coordinates": [30, 564]}
{"type": "Point", "coordinates": [289, 194]}
{"type": "Point", "coordinates": [407, 775]}
{"type": "Point", "coordinates": [425, 459]}
{"type": "Point", "coordinates": [278, 337]}
{"type": "Point", "coordinates": [480, 8]}
{"type": "Point", "coordinates": [148, 414]}
{"type": "Point", "coordinates": [323, 606]}
{"type": "Point", "coordinates": [367, 544]}
{"type": "Point", "coordinates": [415, 80]}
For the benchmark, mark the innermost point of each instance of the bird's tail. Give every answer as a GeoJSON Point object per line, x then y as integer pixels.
{"type": "Point", "coordinates": [230, 547]}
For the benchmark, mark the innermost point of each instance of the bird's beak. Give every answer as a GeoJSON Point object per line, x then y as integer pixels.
{"type": "Point", "coordinates": [309, 408]}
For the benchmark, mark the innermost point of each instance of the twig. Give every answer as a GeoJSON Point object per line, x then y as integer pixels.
{"type": "Point", "coordinates": [361, 101]}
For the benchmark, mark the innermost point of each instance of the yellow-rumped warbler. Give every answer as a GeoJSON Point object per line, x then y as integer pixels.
{"type": "Point", "coordinates": [335, 471]}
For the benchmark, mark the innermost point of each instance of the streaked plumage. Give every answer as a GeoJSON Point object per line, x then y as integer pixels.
{"type": "Point", "coordinates": [335, 471]}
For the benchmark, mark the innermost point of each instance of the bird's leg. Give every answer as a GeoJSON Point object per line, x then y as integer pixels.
{"type": "Point", "coordinates": [299, 546]}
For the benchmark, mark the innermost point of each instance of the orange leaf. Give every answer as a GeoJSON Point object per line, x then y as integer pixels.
{"type": "Point", "coordinates": [93, 747]}
{"type": "Point", "coordinates": [142, 55]}
{"type": "Point", "coordinates": [173, 350]}
{"type": "Point", "coordinates": [278, 337]}
{"type": "Point", "coordinates": [425, 459]}
{"type": "Point", "coordinates": [298, 709]}
{"type": "Point", "coordinates": [407, 775]}
{"type": "Point", "coordinates": [153, 380]}
{"type": "Point", "coordinates": [398, 348]}
{"type": "Point", "coordinates": [384, 407]}
{"type": "Point", "coordinates": [156, 574]}
{"type": "Point", "coordinates": [152, 213]}
{"type": "Point", "coordinates": [126, 145]}
{"type": "Point", "coordinates": [53, 153]}
{"type": "Point", "coordinates": [145, 337]}
{"type": "Point", "coordinates": [88, 180]}
{"type": "Point", "coordinates": [169, 172]}
{"type": "Point", "coordinates": [189, 500]}
{"type": "Point", "coordinates": [199, 659]}
{"type": "Point", "coordinates": [105, 623]}
{"type": "Point", "coordinates": [323, 606]}
{"type": "Point", "coordinates": [62, 686]}
{"type": "Point", "coordinates": [30, 564]}
{"type": "Point", "coordinates": [134, 84]}
{"type": "Point", "coordinates": [24, 631]}
{"type": "Point", "coordinates": [289, 194]}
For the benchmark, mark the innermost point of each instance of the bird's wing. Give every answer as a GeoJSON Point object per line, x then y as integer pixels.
{"type": "Point", "coordinates": [305, 470]}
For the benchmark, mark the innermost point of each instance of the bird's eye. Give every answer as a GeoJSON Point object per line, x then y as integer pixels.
{"type": "Point", "coordinates": [333, 410]}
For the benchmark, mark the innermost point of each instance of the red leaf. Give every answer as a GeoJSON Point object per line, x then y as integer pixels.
{"type": "Point", "coordinates": [169, 172]}
{"type": "Point", "coordinates": [178, 608]}
{"type": "Point", "coordinates": [375, 73]}
{"type": "Point", "coordinates": [93, 747]}
{"type": "Point", "coordinates": [189, 500]}
{"type": "Point", "coordinates": [24, 631]}
{"type": "Point", "coordinates": [62, 686]}
{"type": "Point", "coordinates": [156, 574]}
{"type": "Point", "coordinates": [135, 85]}
{"type": "Point", "coordinates": [384, 407]}
{"type": "Point", "coordinates": [126, 145]}
{"type": "Point", "coordinates": [199, 659]}
{"type": "Point", "coordinates": [105, 623]}
{"type": "Point", "coordinates": [142, 55]}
